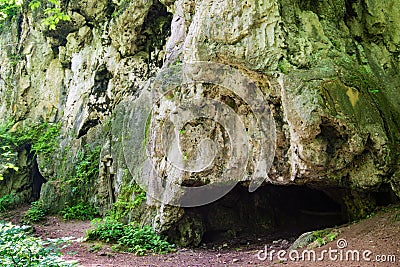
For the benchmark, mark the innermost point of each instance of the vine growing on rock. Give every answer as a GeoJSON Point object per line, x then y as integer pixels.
{"type": "Point", "coordinates": [86, 170]}
{"type": "Point", "coordinates": [130, 199]}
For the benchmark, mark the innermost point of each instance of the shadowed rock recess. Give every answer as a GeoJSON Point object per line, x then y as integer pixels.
{"type": "Point", "coordinates": [329, 72]}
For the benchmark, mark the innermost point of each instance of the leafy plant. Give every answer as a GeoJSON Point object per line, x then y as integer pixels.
{"type": "Point", "coordinates": [7, 202]}
{"type": "Point", "coordinates": [107, 230]}
{"type": "Point", "coordinates": [80, 211]}
{"type": "Point", "coordinates": [122, 6]}
{"type": "Point", "coordinates": [323, 237]}
{"type": "Point", "coordinates": [54, 16]}
{"type": "Point", "coordinates": [86, 169]}
{"type": "Point", "coordinates": [130, 198]}
{"type": "Point", "coordinates": [36, 213]}
{"type": "Point", "coordinates": [8, 9]}
{"type": "Point", "coordinates": [52, 13]}
{"type": "Point", "coordinates": [18, 248]}
{"type": "Point", "coordinates": [15, 59]}
{"type": "Point", "coordinates": [284, 66]}
{"type": "Point", "coordinates": [129, 237]}
{"type": "Point", "coordinates": [141, 240]}
{"type": "Point", "coordinates": [43, 138]}
{"type": "Point", "coordinates": [6, 149]}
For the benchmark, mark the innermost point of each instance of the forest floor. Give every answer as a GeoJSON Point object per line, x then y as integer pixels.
{"type": "Point", "coordinates": [376, 240]}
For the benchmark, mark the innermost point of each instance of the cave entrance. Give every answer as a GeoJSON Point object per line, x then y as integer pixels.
{"type": "Point", "coordinates": [37, 180]}
{"type": "Point", "coordinates": [283, 211]}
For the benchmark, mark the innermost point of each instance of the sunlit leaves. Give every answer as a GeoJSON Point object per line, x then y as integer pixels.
{"type": "Point", "coordinates": [52, 11]}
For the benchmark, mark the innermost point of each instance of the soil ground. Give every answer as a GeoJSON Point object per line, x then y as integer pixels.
{"type": "Point", "coordinates": [376, 240]}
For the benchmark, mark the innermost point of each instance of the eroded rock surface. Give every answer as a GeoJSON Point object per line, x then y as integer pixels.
{"type": "Point", "coordinates": [328, 72]}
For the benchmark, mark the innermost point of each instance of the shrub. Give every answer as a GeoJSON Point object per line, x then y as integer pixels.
{"type": "Point", "coordinates": [80, 211]}
{"type": "Point", "coordinates": [141, 240]}
{"type": "Point", "coordinates": [107, 230]}
{"type": "Point", "coordinates": [18, 248]}
{"type": "Point", "coordinates": [129, 237]}
{"type": "Point", "coordinates": [36, 213]}
{"type": "Point", "coordinates": [7, 202]}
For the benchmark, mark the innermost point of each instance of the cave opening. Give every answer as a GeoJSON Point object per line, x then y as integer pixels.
{"type": "Point", "coordinates": [279, 211]}
{"type": "Point", "coordinates": [274, 211]}
{"type": "Point", "coordinates": [37, 180]}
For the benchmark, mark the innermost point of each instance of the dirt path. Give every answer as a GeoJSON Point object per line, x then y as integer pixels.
{"type": "Point", "coordinates": [376, 238]}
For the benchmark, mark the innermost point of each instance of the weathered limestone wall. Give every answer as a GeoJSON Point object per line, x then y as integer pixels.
{"type": "Point", "coordinates": [328, 69]}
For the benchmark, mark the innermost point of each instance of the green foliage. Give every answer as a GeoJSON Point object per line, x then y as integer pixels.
{"type": "Point", "coordinates": [36, 213]}
{"type": "Point", "coordinates": [43, 137]}
{"type": "Point", "coordinates": [6, 149]}
{"type": "Point", "coordinates": [130, 198]}
{"type": "Point", "coordinates": [15, 59]}
{"type": "Point", "coordinates": [9, 9]}
{"type": "Point", "coordinates": [107, 230]}
{"type": "Point", "coordinates": [86, 170]}
{"type": "Point", "coordinates": [359, 76]}
{"type": "Point", "coordinates": [7, 202]}
{"type": "Point", "coordinates": [129, 237]}
{"type": "Point", "coordinates": [122, 6]}
{"type": "Point", "coordinates": [323, 237]}
{"type": "Point", "coordinates": [53, 17]}
{"type": "Point", "coordinates": [141, 240]}
{"type": "Point", "coordinates": [6, 138]}
{"type": "Point", "coordinates": [284, 66]}
{"type": "Point", "coordinates": [52, 13]}
{"type": "Point", "coordinates": [18, 248]}
{"type": "Point", "coordinates": [80, 211]}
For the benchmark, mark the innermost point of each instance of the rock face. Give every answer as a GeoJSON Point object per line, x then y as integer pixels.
{"type": "Point", "coordinates": [325, 74]}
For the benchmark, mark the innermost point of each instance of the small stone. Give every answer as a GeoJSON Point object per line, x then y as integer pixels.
{"type": "Point", "coordinates": [235, 260]}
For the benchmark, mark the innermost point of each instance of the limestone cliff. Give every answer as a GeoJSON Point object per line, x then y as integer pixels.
{"type": "Point", "coordinates": [327, 70]}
